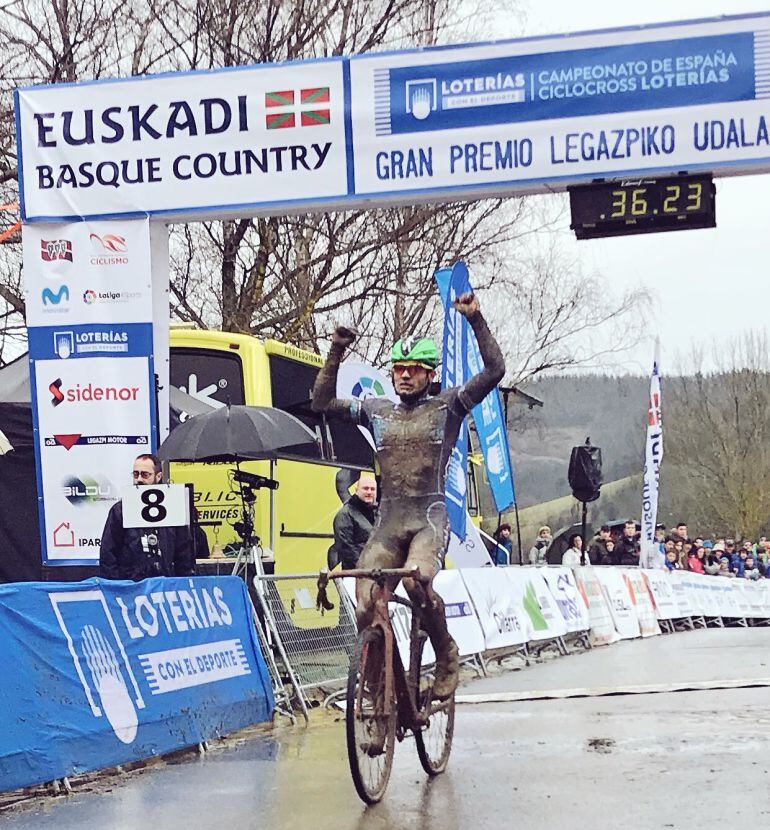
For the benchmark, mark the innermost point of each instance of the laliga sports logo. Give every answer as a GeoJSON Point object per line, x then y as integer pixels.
{"type": "Point", "coordinates": [115, 247]}
{"type": "Point", "coordinates": [89, 297]}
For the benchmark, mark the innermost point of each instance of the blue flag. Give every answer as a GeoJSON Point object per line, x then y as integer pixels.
{"type": "Point", "coordinates": [488, 415]}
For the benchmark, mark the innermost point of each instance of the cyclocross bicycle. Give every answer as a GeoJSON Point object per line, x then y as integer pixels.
{"type": "Point", "coordinates": [385, 700]}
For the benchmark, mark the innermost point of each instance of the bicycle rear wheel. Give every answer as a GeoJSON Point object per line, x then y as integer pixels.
{"type": "Point", "coordinates": [434, 740]}
{"type": "Point", "coordinates": [371, 733]}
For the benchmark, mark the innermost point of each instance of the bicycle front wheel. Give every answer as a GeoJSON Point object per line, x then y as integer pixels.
{"type": "Point", "coordinates": [434, 740]}
{"type": "Point", "coordinates": [371, 732]}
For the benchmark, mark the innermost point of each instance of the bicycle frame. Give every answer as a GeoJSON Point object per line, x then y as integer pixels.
{"type": "Point", "coordinates": [401, 684]}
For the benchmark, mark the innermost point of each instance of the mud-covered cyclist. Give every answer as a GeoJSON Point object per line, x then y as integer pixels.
{"type": "Point", "coordinates": [414, 440]}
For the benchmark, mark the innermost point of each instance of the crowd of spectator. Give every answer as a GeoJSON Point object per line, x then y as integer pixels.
{"type": "Point", "coordinates": [674, 550]}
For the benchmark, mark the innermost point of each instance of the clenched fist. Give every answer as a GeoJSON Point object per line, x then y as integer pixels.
{"type": "Point", "coordinates": [343, 336]}
{"type": "Point", "coordinates": [467, 304]}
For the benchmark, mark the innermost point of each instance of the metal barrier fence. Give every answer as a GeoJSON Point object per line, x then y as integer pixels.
{"type": "Point", "coordinates": [312, 649]}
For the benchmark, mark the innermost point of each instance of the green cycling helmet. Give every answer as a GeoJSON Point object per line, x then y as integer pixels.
{"type": "Point", "coordinates": [422, 351]}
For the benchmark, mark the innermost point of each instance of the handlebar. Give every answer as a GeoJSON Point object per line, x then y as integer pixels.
{"type": "Point", "coordinates": [378, 575]}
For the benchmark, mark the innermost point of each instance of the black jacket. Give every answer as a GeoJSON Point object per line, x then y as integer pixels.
{"type": "Point", "coordinates": [122, 556]}
{"type": "Point", "coordinates": [352, 528]}
{"type": "Point", "coordinates": [626, 551]}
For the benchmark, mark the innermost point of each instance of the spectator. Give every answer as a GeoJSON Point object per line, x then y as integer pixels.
{"type": "Point", "coordinates": [724, 567]}
{"type": "Point", "coordinates": [573, 555]}
{"type": "Point", "coordinates": [660, 538]}
{"type": "Point", "coordinates": [696, 560]}
{"type": "Point", "coordinates": [538, 553]}
{"type": "Point", "coordinates": [627, 547]}
{"type": "Point", "coordinates": [137, 553]}
{"type": "Point", "coordinates": [680, 531]}
{"type": "Point", "coordinates": [680, 554]}
{"type": "Point", "coordinates": [503, 538]}
{"type": "Point", "coordinates": [672, 560]}
{"type": "Point", "coordinates": [751, 571]}
{"type": "Point", "coordinates": [598, 549]}
{"type": "Point", "coordinates": [609, 556]}
{"type": "Point", "coordinates": [712, 564]}
{"type": "Point", "coordinates": [354, 522]}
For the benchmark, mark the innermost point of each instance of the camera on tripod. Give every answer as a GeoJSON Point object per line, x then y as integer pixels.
{"type": "Point", "coordinates": [247, 484]}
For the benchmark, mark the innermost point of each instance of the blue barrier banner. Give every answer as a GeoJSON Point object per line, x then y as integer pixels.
{"type": "Point", "coordinates": [488, 415]}
{"type": "Point", "coordinates": [99, 673]}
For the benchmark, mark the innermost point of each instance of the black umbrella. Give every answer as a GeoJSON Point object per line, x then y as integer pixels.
{"type": "Point", "coordinates": [239, 433]}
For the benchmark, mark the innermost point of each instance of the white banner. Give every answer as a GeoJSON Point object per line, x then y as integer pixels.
{"type": "Point", "coordinates": [359, 381]}
{"type": "Point", "coordinates": [602, 631]}
{"type": "Point", "coordinates": [501, 118]}
{"type": "Point", "coordinates": [642, 601]}
{"type": "Point", "coordinates": [530, 592]}
{"type": "Point", "coordinates": [619, 601]}
{"type": "Point", "coordinates": [93, 419]}
{"type": "Point", "coordinates": [470, 553]}
{"type": "Point", "coordinates": [204, 141]}
{"type": "Point", "coordinates": [569, 600]}
{"type": "Point", "coordinates": [503, 620]}
{"type": "Point", "coordinates": [462, 622]}
{"type": "Point", "coordinates": [649, 555]}
{"type": "Point", "coordinates": [87, 272]}
{"type": "Point", "coordinates": [662, 588]}
{"type": "Point", "coordinates": [89, 299]}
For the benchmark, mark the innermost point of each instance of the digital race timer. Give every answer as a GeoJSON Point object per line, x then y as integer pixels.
{"type": "Point", "coordinates": [642, 206]}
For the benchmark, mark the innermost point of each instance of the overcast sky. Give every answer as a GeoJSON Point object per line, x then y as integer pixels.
{"type": "Point", "coordinates": [705, 282]}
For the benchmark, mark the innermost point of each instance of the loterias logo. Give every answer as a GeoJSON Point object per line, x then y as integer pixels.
{"type": "Point", "coordinates": [111, 249]}
{"type": "Point", "coordinates": [103, 341]}
{"type": "Point", "coordinates": [90, 393]}
{"type": "Point", "coordinates": [54, 249]}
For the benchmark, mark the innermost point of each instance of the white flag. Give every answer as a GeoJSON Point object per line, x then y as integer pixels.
{"type": "Point", "coordinates": [650, 556]}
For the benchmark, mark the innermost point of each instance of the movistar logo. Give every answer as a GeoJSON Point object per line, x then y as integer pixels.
{"type": "Point", "coordinates": [51, 298]}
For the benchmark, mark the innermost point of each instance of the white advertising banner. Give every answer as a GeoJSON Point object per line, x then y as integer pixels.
{"type": "Point", "coordinates": [530, 592]}
{"type": "Point", "coordinates": [461, 618]}
{"type": "Point", "coordinates": [686, 599]}
{"type": "Point", "coordinates": [507, 117]}
{"type": "Point", "coordinates": [569, 600]}
{"type": "Point", "coordinates": [602, 631]}
{"type": "Point", "coordinates": [642, 601]}
{"type": "Point", "coordinates": [83, 273]}
{"type": "Point", "coordinates": [204, 142]}
{"type": "Point", "coordinates": [90, 308]}
{"type": "Point", "coordinates": [649, 555]}
{"type": "Point", "coordinates": [620, 603]}
{"type": "Point", "coordinates": [470, 552]}
{"type": "Point", "coordinates": [661, 585]}
{"type": "Point", "coordinates": [503, 620]}
{"type": "Point", "coordinates": [521, 113]}
{"type": "Point", "coordinates": [92, 421]}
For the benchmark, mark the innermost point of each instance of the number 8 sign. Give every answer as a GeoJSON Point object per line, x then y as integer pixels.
{"type": "Point", "coordinates": [156, 505]}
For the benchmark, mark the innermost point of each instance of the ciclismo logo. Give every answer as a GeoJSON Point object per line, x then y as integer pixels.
{"type": "Point", "coordinates": [90, 393]}
{"type": "Point", "coordinates": [90, 297]}
{"type": "Point", "coordinates": [111, 248]}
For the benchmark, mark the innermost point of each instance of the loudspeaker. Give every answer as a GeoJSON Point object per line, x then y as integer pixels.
{"type": "Point", "coordinates": [585, 472]}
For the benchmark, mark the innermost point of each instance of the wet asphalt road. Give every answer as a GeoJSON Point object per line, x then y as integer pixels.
{"type": "Point", "coordinates": [670, 760]}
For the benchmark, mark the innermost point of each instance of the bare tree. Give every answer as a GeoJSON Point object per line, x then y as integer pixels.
{"type": "Point", "coordinates": [717, 434]}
